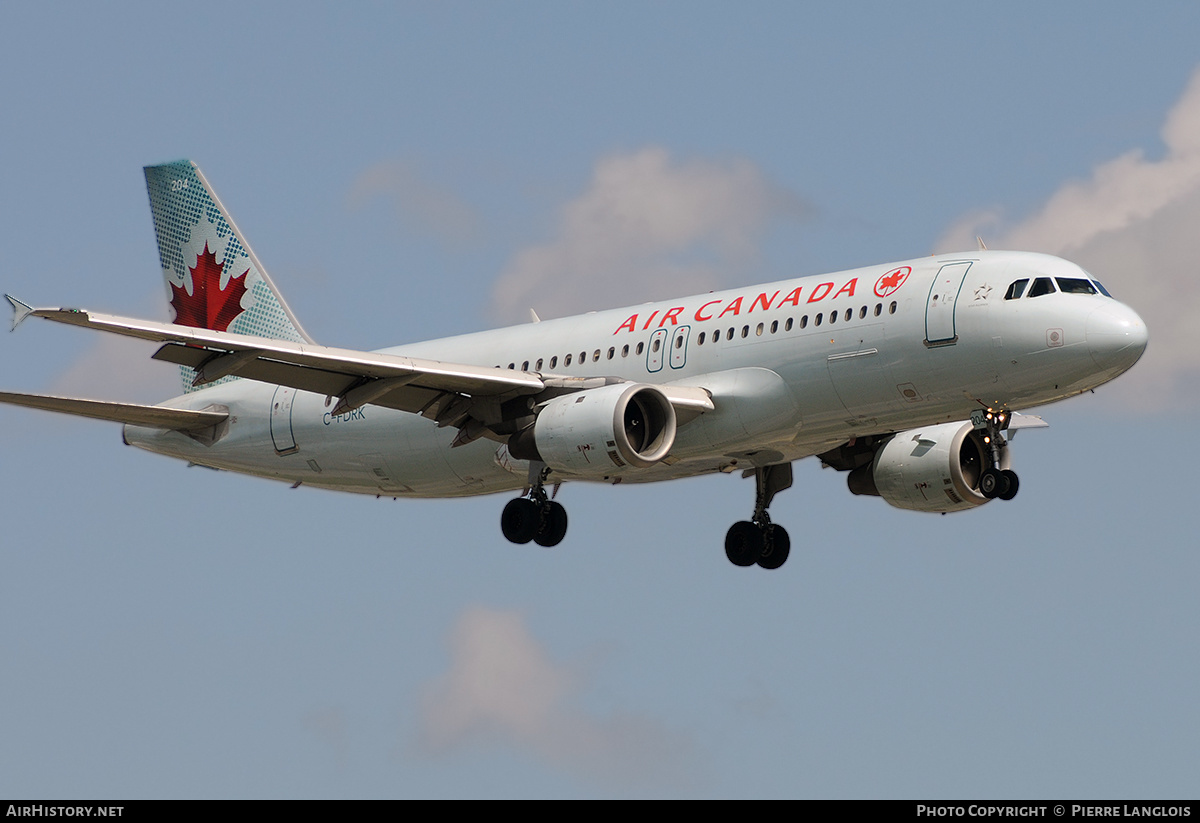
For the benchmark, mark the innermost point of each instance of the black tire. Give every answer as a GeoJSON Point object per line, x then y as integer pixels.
{"type": "Point", "coordinates": [743, 543]}
{"type": "Point", "coordinates": [553, 526]}
{"type": "Point", "coordinates": [520, 520]}
{"type": "Point", "coordinates": [780, 546]}
{"type": "Point", "coordinates": [990, 483]}
{"type": "Point", "coordinates": [1009, 484]}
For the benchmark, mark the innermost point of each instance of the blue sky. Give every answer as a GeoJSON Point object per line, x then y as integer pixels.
{"type": "Point", "coordinates": [409, 171]}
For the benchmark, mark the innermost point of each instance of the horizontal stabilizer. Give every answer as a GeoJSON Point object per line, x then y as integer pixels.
{"type": "Point", "coordinates": [155, 417]}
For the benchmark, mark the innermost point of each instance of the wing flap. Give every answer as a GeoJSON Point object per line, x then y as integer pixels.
{"type": "Point", "coordinates": [156, 417]}
{"type": "Point", "coordinates": [409, 398]}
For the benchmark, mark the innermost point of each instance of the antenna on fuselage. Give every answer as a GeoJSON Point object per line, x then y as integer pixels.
{"type": "Point", "coordinates": [982, 245]}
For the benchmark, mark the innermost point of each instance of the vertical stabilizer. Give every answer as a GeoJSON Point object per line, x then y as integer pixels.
{"type": "Point", "coordinates": [214, 280]}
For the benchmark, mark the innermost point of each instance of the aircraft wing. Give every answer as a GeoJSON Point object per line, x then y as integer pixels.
{"type": "Point", "coordinates": [158, 417]}
{"type": "Point", "coordinates": [441, 391]}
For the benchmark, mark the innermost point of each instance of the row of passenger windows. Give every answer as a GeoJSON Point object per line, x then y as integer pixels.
{"type": "Point", "coordinates": [1045, 285]}
{"type": "Point", "coordinates": [713, 337]}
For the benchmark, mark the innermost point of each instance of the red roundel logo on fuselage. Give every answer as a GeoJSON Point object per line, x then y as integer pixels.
{"type": "Point", "coordinates": [891, 282]}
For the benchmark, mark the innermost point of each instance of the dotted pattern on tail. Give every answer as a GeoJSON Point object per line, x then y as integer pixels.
{"type": "Point", "coordinates": [187, 218]}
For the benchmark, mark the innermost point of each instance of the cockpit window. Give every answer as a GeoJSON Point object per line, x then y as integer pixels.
{"type": "Point", "coordinates": [1103, 290]}
{"type": "Point", "coordinates": [1043, 285]}
{"type": "Point", "coordinates": [1016, 289]}
{"type": "Point", "coordinates": [1075, 285]}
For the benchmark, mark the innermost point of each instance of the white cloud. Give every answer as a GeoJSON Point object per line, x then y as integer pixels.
{"type": "Point", "coordinates": [121, 369]}
{"type": "Point", "coordinates": [503, 687]}
{"type": "Point", "coordinates": [645, 228]}
{"type": "Point", "coordinates": [429, 208]}
{"type": "Point", "coordinates": [1131, 223]}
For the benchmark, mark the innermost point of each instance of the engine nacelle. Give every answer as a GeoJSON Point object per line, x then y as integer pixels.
{"type": "Point", "coordinates": [600, 432]}
{"type": "Point", "coordinates": [935, 469]}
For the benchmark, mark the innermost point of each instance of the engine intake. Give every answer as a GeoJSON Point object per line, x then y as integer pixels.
{"type": "Point", "coordinates": [935, 469]}
{"type": "Point", "coordinates": [600, 432]}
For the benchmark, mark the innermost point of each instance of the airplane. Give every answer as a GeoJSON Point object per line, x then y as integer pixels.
{"type": "Point", "coordinates": [906, 376]}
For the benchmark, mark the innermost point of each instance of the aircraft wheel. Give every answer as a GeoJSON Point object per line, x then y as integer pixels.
{"type": "Point", "coordinates": [776, 549]}
{"type": "Point", "coordinates": [990, 483]}
{"type": "Point", "coordinates": [520, 520]}
{"type": "Point", "coordinates": [1008, 484]}
{"type": "Point", "coordinates": [743, 543]}
{"type": "Point", "coordinates": [552, 527]}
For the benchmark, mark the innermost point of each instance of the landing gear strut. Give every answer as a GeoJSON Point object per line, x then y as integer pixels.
{"type": "Point", "coordinates": [995, 482]}
{"type": "Point", "coordinates": [536, 517]}
{"type": "Point", "coordinates": [758, 540]}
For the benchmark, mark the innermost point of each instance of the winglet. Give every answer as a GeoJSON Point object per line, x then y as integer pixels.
{"type": "Point", "coordinates": [1018, 421]}
{"type": "Point", "coordinates": [20, 311]}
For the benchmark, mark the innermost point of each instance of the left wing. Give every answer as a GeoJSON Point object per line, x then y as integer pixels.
{"type": "Point", "coordinates": [452, 394]}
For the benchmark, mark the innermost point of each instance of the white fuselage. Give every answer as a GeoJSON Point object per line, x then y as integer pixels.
{"type": "Point", "coordinates": [794, 368]}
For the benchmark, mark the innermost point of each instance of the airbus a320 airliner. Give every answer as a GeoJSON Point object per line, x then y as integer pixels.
{"type": "Point", "coordinates": [907, 376]}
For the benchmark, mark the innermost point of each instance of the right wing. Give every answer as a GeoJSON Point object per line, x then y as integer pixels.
{"type": "Point", "coordinates": [453, 394]}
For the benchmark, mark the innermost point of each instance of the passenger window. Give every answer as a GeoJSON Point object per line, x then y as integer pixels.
{"type": "Point", "coordinates": [758, 330]}
{"type": "Point", "coordinates": [774, 326]}
{"type": "Point", "coordinates": [538, 366]}
{"type": "Point", "coordinates": [833, 317]}
{"type": "Point", "coordinates": [641, 347]}
{"type": "Point", "coordinates": [878, 309]}
{"type": "Point", "coordinates": [862, 312]}
{"type": "Point", "coordinates": [1016, 289]}
{"type": "Point", "coordinates": [745, 331]}
{"type": "Point", "coordinates": [804, 322]}
{"type": "Point", "coordinates": [892, 308]}
{"type": "Point", "coordinates": [729, 335]}
{"type": "Point", "coordinates": [817, 320]}
{"type": "Point", "coordinates": [787, 326]}
{"type": "Point", "coordinates": [567, 360]}
{"type": "Point", "coordinates": [554, 362]}
{"type": "Point", "coordinates": [700, 339]}
{"type": "Point", "coordinates": [1075, 285]}
{"type": "Point", "coordinates": [525, 366]}
{"type": "Point", "coordinates": [625, 350]}
{"type": "Point", "coordinates": [611, 352]}
{"type": "Point", "coordinates": [654, 346]}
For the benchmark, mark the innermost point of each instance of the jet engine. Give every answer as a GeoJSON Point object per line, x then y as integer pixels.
{"type": "Point", "coordinates": [934, 469]}
{"type": "Point", "coordinates": [600, 432]}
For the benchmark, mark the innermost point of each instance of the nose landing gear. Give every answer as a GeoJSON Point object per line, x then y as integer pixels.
{"type": "Point", "coordinates": [995, 481]}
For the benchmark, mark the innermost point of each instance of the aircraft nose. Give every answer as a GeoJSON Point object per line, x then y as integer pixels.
{"type": "Point", "coordinates": [1116, 337]}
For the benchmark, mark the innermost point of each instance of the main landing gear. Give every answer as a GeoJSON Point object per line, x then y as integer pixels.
{"type": "Point", "coordinates": [536, 517]}
{"type": "Point", "coordinates": [758, 540]}
{"type": "Point", "coordinates": [995, 482]}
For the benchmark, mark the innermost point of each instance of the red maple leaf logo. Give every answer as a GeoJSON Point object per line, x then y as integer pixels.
{"type": "Point", "coordinates": [892, 281]}
{"type": "Point", "coordinates": [209, 306]}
